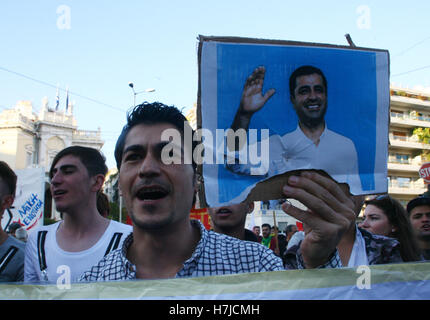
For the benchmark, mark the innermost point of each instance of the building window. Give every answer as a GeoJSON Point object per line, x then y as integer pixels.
{"type": "Point", "coordinates": [400, 158]}
{"type": "Point", "coordinates": [397, 114]}
{"type": "Point", "coordinates": [29, 155]}
{"type": "Point", "coordinates": [399, 135]}
{"type": "Point", "coordinates": [29, 159]}
{"type": "Point", "coordinates": [403, 182]}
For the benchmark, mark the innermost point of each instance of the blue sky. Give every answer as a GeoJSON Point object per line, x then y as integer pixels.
{"type": "Point", "coordinates": [153, 44]}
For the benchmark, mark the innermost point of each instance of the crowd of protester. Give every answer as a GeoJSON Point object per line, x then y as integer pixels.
{"type": "Point", "coordinates": [164, 243]}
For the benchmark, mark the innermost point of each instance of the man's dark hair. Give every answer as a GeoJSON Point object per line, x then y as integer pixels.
{"type": "Point", "coordinates": [305, 71]}
{"type": "Point", "coordinates": [289, 228]}
{"type": "Point", "coordinates": [152, 113]}
{"type": "Point", "coordinates": [91, 158]}
{"type": "Point", "coordinates": [8, 177]}
{"type": "Point", "coordinates": [103, 205]}
{"type": "Point", "coordinates": [422, 200]}
{"type": "Point", "coordinates": [266, 225]}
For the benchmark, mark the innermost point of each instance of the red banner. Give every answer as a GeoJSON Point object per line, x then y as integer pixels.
{"type": "Point", "coordinates": [202, 215]}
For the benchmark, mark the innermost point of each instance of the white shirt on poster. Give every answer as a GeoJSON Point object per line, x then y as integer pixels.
{"type": "Point", "coordinates": [335, 154]}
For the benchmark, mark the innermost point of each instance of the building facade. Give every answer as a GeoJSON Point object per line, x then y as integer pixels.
{"type": "Point", "coordinates": [409, 114]}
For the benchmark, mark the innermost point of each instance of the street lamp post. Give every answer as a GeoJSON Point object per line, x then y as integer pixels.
{"type": "Point", "coordinates": [131, 85]}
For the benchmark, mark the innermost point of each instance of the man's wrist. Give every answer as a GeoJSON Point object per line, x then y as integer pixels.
{"type": "Point", "coordinates": [333, 261]}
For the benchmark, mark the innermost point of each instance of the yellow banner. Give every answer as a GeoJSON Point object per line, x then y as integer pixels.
{"type": "Point", "coordinates": [393, 281]}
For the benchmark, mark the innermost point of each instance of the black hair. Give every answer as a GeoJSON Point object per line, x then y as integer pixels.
{"type": "Point", "coordinates": [9, 177]}
{"type": "Point", "coordinates": [103, 205]}
{"type": "Point", "coordinates": [289, 228]}
{"type": "Point", "coordinates": [152, 113]}
{"type": "Point", "coordinates": [305, 71]}
{"type": "Point", "coordinates": [91, 158]}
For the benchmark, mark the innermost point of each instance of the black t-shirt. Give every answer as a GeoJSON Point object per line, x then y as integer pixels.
{"type": "Point", "coordinates": [250, 236]}
{"type": "Point", "coordinates": [426, 254]}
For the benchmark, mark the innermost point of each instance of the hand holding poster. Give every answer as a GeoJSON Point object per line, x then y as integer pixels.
{"type": "Point", "coordinates": [276, 108]}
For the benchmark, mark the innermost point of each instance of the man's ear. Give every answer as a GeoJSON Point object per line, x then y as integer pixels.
{"type": "Point", "coordinates": [292, 99]}
{"type": "Point", "coordinates": [7, 202]}
{"type": "Point", "coordinates": [251, 207]}
{"type": "Point", "coordinates": [99, 179]}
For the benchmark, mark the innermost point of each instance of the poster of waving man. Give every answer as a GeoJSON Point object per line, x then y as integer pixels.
{"type": "Point", "coordinates": [275, 107]}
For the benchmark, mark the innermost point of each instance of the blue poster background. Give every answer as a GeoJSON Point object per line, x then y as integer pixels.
{"type": "Point", "coordinates": [351, 98]}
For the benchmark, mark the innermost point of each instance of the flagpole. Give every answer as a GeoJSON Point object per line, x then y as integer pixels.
{"type": "Point", "coordinates": [57, 102]}
{"type": "Point", "coordinates": [67, 99]}
{"type": "Point", "coordinates": [276, 231]}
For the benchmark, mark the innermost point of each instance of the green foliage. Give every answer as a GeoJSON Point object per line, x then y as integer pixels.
{"type": "Point", "coordinates": [48, 221]}
{"type": "Point", "coordinates": [423, 134]}
{"type": "Point", "coordinates": [114, 212]}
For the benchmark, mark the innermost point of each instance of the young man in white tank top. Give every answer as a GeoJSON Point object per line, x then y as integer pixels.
{"type": "Point", "coordinates": [60, 252]}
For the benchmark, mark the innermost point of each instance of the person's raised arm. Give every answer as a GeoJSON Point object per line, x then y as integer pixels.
{"type": "Point", "coordinates": [251, 101]}
{"type": "Point", "coordinates": [330, 213]}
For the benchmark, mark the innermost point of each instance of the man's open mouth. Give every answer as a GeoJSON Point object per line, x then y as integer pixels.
{"type": "Point", "coordinates": [152, 193]}
{"type": "Point", "coordinates": [59, 192]}
{"type": "Point", "coordinates": [313, 107]}
{"type": "Point", "coordinates": [223, 211]}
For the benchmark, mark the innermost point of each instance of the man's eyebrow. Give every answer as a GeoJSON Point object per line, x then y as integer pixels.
{"type": "Point", "coordinates": [141, 148]}
{"type": "Point", "coordinates": [134, 148]}
{"type": "Point", "coordinates": [318, 85]}
{"type": "Point", "coordinates": [428, 212]}
{"type": "Point", "coordinates": [67, 166]}
{"type": "Point", "coordinates": [63, 168]}
{"type": "Point", "coordinates": [162, 144]}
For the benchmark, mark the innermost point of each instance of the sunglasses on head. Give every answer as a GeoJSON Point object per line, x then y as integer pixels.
{"type": "Point", "coordinates": [383, 197]}
{"type": "Point", "coordinates": [386, 197]}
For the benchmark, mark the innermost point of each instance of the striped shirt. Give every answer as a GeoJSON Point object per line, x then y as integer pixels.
{"type": "Point", "coordinates": [215, 254]}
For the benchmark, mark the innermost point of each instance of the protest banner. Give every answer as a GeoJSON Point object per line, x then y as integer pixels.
{"type": "Point", "coordinates": [405, 281]}
{"type": "Point", "coordinates": [29, 201]}
{"type": "Point", "coordinates": [202, 215]}
{"type": "Point", "coordinates": [256, 112]}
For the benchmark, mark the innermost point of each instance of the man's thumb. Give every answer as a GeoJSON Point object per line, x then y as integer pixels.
{"type": "Point", "coordinates": [269, 94]}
